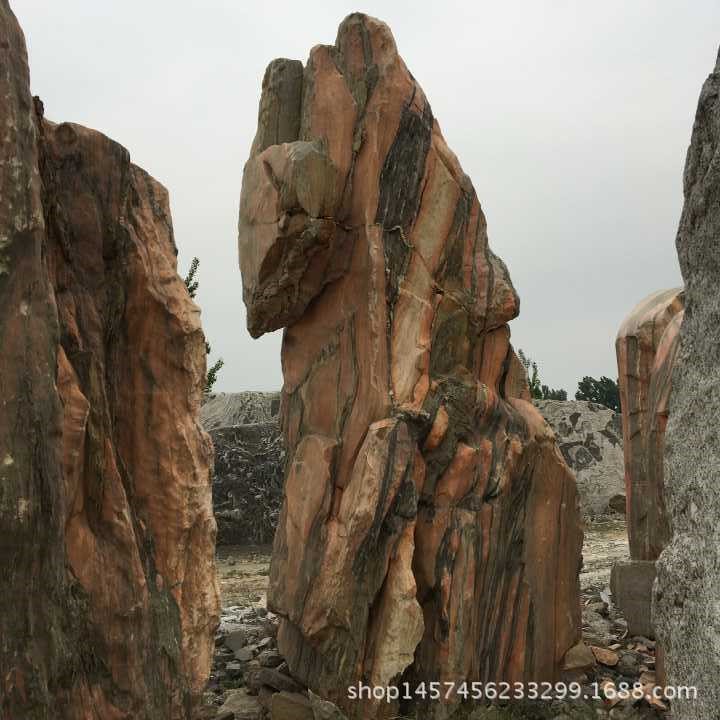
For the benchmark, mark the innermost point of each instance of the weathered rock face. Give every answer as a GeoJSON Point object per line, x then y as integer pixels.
{"type": "Point", "coordinates": [589, 436]}
{"type": "Point", "coordinates": [686, 605]}
{"type": "Point", "coordinates": [250, 457]}
{"type": "Point", "coordinates": [247, 482]}
{"type": "Point", "coordinates": [646, 346]}
{"type": "Point", "coordinates": [249, 462]}
{"type": "Point", "coordinates": [243, 408]}
{"type": "Point", "coordinates": [430, 525]}
{"type": "Point", "coordinates": [108, 598]}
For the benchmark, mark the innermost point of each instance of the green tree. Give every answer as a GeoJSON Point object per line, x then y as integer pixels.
{"type": "Point", "coordinates": [538, 391]}
{"type": "Point", "coordinates": [192, 284]}
{"type": "Point", "coordinates": [603, 391]}
{"type": "Point", "coordinates": [551, 394]}
{"type": "Point", "coordinates": [533, 376]}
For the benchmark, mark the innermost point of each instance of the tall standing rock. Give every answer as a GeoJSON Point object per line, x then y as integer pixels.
{"type": "Point", "coordinates": [108, 599]}
{"type": "Point", "coordinates": [646, 346]}
{"type": "Point", "coordinates": [430, 527]}
{"type": "Point", "coordinates": [686, 605]}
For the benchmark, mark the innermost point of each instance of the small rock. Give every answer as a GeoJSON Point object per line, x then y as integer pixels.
{"type": "Point", "coordinates": [245, 654]}
{"type": "Point", "coordinates": [578, 657]}
{"type": "Point", "coordinates": [276, 679]}
{"type": "Point", "coordinates": [235, 640]}
{"type": "Point", "coordinates": [600, 608]}
{"type": "Point", "coordinates": [241, 705]}
{"type": "Point", "coordinates": [252, 678]}
{"type": "Point", "coordinates": [270, 658]}
{"type": "Point", "coordinates": [261, 611]}
{"type": "Point", "coordinates": [628, 664]}
{"type": "Point", "coordinates": [269, 628]}
{"type": "Point", "coordinates": [617, 503]}
{"type": "Point", "coordinates": [605, 656]}
{"type": "Point", "coordinates": [234, 670]}
{"type": "Point", "coordinates": [647, 642]}
{"type": "Point", "coordinates": [265, 694]}
{"type": "Point", "coordinates": [323, 709]}
{"type": "Point", "coordinates": [290, 706]}
{"type": "Point", "coordinates": [265, 643]}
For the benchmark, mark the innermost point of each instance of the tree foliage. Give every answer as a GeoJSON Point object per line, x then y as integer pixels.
{"type": "Point", "coordinates": [538, 391]}
{"type": "Point", "coordinates": [603, 391]}
{"type": "Point", "coordinates": [552, 394]}
{"type": "Point", "coordinates": [192, 284]}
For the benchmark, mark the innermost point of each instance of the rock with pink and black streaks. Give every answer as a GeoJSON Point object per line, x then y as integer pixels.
{"type": "Point", "coordinates": [430, 526]}
{"type": "Point", "coordinates": [646, 346]}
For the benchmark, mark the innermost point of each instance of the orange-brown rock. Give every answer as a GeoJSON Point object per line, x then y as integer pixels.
{"type": "Point", "coordinates": [108, 599]}
{"type": "Point", "coordinates": [646, 347]}
{"type": "Point", "coordinates": [430, 529]}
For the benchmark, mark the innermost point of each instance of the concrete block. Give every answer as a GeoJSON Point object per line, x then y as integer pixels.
{"type": "Point", "coordinates": [631, 586]}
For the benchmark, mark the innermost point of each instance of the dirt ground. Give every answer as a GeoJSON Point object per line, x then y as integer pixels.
{"type": "Point", "coordinates": [243, 570]}
{"type": "Point", "coordinates": [605, 542]}
{"type": "Point", "coordinates": [243, 573]}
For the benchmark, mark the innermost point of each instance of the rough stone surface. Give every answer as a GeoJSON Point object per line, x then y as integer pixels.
{"type": "Point", "coordinates": [646, 346]}
{"type": "Point", "coordinates": [631, 585]}
{"type": "Point", "coordinates": [590, 438]}
{"type": "Point", "coordinates": [406, 421]}
{"type": "Point", "coordinates": [249, 465]}
{"type": "Point", "coordinates": [242, 706]}
{"type": "Point", "coordinates": [108, 598]}
{"type": "Point", "coordinates": [290, 706]}
{"type": "Point", "coordinates": [687, 599]}
{"type": "Point", "coordinates": [249, 460]}
{"type": "Point", "coordinates": [247, 481]}
{"type": "Point", "coordinates": [242, 408]}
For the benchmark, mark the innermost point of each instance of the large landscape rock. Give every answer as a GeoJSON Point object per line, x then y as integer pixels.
{"type": "Point", "coordinates": [242, 408]}
{"type": "Point", "coordinates": [249, 463]}
{"type": "Point", "coordinates": [108, 597]}
{"type": "Point", "coordinates": [686, 603]}
{"type": "Point", "coordinates": [250, 458]}
{"type": "Point", "coordinates": [646, 346]}
{"type": "Point", "coordinates": [248, 482]}
{"type": "Point", "coordinates": [589, 436]}
{"type": "Point", "coordinates": [430, 527]}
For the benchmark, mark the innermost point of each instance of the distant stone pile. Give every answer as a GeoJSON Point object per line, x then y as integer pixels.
{"type": "Point", "coordinates": [590, 438]}
{"type": "Point", "coordinates": [249, 464]}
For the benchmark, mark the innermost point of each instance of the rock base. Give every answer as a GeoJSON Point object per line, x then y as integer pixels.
{"type": "Point", "coordinates": [631, 584]}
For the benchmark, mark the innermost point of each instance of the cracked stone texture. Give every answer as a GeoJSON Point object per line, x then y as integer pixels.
{"type": "Point", "coordinates": [249, 461]}
{"type": "Point", "coordinates": [646, 347]}
{"type": "Point", "coordinates": [108, 597]}
{"type": "Point", "coordinates": [430, 527]}
{"type": "Point", "coordinates": [247, 482]}
{"type": "Point", "coordinates": [686, 604]}
{"type": "Point", "coordinates": [243, 408]}
{"type": "Point", "coordinates": [589, 436]}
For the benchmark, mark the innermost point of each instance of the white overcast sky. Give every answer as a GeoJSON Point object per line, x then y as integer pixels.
{"type": "Point", "coordinates": [572, 119]}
